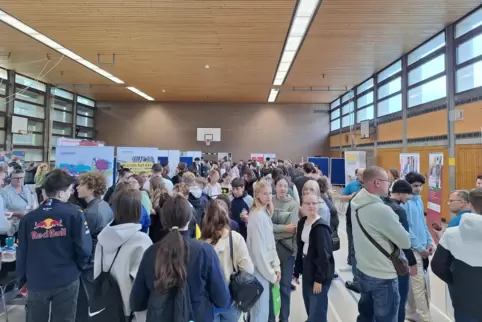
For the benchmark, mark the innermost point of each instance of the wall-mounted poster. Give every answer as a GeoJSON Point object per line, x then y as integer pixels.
{"type": "Point", "coordinates": [409, 162]}
{"type": "Point", "coordinates": [434, 202]}
{"type": "Point", "coordinates": [79, 159]}
{"type": "Point", "coordinates": [137, 159]}
{"type": "Point", "coordinates": [353, 161]}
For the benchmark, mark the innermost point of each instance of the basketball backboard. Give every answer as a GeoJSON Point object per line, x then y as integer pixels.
{"type": "Point", "coordinates": [208, 135]}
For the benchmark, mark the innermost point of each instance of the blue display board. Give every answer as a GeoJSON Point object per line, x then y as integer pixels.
{"type": "Point", "coordinates": [188, 160]}
{"type": "Point", "coordinates": [322, 163]}
{"type": "Point", "coordinates": [163, 160]}
{"type": "Point", "coordinates": [337, 171]}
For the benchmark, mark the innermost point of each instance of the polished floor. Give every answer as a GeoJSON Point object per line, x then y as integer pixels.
{"type": "Point", "coordinates": [342, 303]}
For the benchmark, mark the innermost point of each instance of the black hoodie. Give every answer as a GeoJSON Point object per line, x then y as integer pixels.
{"type": "Point", "coordinates": [320, 263]}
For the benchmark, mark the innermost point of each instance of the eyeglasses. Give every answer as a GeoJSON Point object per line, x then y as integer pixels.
{"type": "Point", "coordinates": [382, 180]}
{"type": "Point", "coordinates": [18, 178]}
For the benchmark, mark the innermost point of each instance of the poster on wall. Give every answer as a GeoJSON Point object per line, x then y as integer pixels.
{"type": "Point", "coordinates": [257, 156]}
{"type": "Point", "coordinates": [137, 159]}
{"type": "Point", "coordinates": [409, 162]}
{"type": "Point", "coordinates": [434, 201]}
{"type": "Point", "coordinates": [79, 159]}
{"type": "Point", "coordinates": [353, 161]}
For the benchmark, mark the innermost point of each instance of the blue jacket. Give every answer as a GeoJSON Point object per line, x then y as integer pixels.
{"type": "Point", "coordinates": [419, 235]}
{"type": "Point", "coordinates": [206, 283]}
{"type": "Point", "coordinates": [352, 187]}
{"type": "Point", "coordinates": [454, 222]}
{"type": "Point", "coordinates": [54, 245]}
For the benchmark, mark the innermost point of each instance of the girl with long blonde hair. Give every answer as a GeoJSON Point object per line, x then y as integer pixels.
{"type": "Point", "coordinates": [262, 248]}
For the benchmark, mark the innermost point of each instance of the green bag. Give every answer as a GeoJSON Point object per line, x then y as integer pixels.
{"type": "Point", "coordinates": [276, 299]}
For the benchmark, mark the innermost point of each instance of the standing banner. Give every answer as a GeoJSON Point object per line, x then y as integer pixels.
{"type": "Point", "coordinates": [79, 159]}
{"type": "Point", "coordinates": [409, 162]}
{"type": "Point", "coordinates": [353, 161]}
{"type": "Point", "coordinates": [257, 156]}
{"type": "Point", "coordinates": [137, 159]}
{"type": "Point", "coordinates": [434, 202]}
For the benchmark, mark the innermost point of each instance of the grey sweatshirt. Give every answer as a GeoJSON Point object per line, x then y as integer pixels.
{"type": "Point", "coordinates": [261, 245]}
{"type": "Point", "coordinates": [382, 224]}
{"type": "Point", "coordinates": [285, 213]}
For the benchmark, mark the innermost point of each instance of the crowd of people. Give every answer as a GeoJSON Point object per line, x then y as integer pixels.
{"type": "Point", "coordinates": [159, 248]}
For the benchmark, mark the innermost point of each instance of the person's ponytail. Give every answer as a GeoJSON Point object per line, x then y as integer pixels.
{"type": "Point", "coordinates": [172, 255]}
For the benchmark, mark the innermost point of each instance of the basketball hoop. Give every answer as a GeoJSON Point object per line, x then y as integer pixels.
{"type": "Point", "coordinates": [208, 141]}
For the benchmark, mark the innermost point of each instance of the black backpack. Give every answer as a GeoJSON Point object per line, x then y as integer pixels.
{"type": "Point", "coordinates": [245, 288]}
{"type": "Point", "coordinates": [105, 301]}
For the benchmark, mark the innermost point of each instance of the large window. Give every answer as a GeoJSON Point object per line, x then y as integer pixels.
{"type": "Point", "coordinates": [335, 104]}
{"type": "Point", "coordinates": [347, 120]}
{"type": "Point", "coordinates": [431, 68]}
{"type": "Point", "coordinates": [85, 117]}
{"type": "Point", "coordinates": [30, 102]}
{"type": "Point", "coordinates": [365, 86]}
{"type": "Point", "coordinates": [365, 100]}
{"type": "Point", "coordinates": [347, 108]}
{"type": "Point", "coordinates": [335, 114]}
{"type": "Point", "coordinates": [348, 96]}
{"type": "Point", "coordinates": [390, 88]}
{"type": "Point", "coordinates": [62, 116]}
{"type": "Point", "coordinates": [426, 49]}
{"type": "Point", "coordinates": [468, 73]}
{"type": "Point", "coordinates": [389, 71]}
{"type": "Point", "coordinates": [366, 113]}
{"type": "Point", "coordinates": [390, 105]}
{"type": "Point", "coordinates": [427, 92]}
{"type": "Point", "coordinates": [335, 125]}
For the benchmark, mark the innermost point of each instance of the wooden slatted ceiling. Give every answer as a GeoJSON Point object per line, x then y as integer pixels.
{"type": "Point", "coordinates": [349, 40]}
{"type": "Point", "coordinates": [166, 44]}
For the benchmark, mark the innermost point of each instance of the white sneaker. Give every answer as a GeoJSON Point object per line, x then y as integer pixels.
{"type": "Point", "coordinates": [346, 268]}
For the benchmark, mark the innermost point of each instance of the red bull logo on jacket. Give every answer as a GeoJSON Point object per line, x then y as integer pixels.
{"type": "Point", "coordinates": [45, 229]}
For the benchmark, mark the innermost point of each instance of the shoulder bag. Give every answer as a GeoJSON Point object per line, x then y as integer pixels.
{"type": "Point", "coordinates": [397, 257]}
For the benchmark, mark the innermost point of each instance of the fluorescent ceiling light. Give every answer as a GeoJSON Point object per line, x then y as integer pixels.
{"type": "Point", "coordinates": [306, 8]}
{"type": "Point", "coordinates": [20, 26]}
{"type": "Point", "coordinates": [293, 43]}
{"type": "Point", "coordinates": [305, 11]}
{"type": "Point", "coordinates": [138, 92]}
{"type": "Point", "coordinates": [272, 95]}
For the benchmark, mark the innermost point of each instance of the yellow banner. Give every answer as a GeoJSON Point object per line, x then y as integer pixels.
{"type": "Point", "coordinates": [138, 167]}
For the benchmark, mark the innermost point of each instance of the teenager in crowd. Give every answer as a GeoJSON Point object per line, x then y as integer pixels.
{"type": "Point", "coordinates": [292, 190]}
{"type": "Point", "coordinates": [418, 307]}
{"type": "Point", "coordinates": [179, 278]}
{"type": "Point", "coordinates": [55, 236]}
{"type": "Point", "coordinates": [262, 248]}
{"type": "Point", "coordinates": [158, 171]}
{"type": "Point", "coordinates": [241, 203]}
{"type": "Point", "coordinates": [145, 217]}
{"type": "Point", "coordinates": [216, 231]}
{"type": "Point", "coordinates": [400, 194]}
{"type": "Point", "coordinates": [194, 229]}
{"type": "Point", "coordinates": [122, 176]}
{"type": "Point", "coordinates": [197, 197]}
{"type": "Point", "coordinates": [314, 259]}
{"type": "Point", "coordinates": [234, 170]}
{"type": "Point", "coordinates": [249, 180]}
{"type": "Point", "coordinates": [137, 182]}
{"type": "Point", "coordinates": [478, 181]}
{"type": "Point", "coordinates": [213, 189]}
{"type": "Point", "coordinates": [181, 168]}
{"type": "Point", "coordinates": [159, 195]}
{"type": "Point", "coordinates": [393, 176]}
{"type": "Point", "coordinates": [226, 184]}
{"type": "Point", "coordinates": [379, 299]}
{"type": "Point", "coordinates": [225, 202]}
{"type": "Point", "coordinates": [300, 181]}
{"type": "Point", "coordinates": [121, 246]}
{"type": "Point", "coordinates": [312, 186]}
{"type": "Point", "coordinates": [39, 179]}
{"type": "Point", "coordinates": [457, 265]}
{"type": "Point", "coordinates": [285, 220]}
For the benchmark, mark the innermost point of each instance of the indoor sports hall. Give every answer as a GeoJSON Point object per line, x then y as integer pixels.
{"type": "Point", "coordinates": [191, 95]}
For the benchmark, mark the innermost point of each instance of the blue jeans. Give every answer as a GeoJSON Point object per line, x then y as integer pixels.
{"type": "Point", "coordinates": [403, 287]}
{"type": "Point", "coordinates": [230, 315]}
{"type": "Point", "coordinates": [316, 305]}
{"type": "Point", "coordinates": [379, 299]}
{"type": "Point", "coordinates": [285, 292]}
{"type": "Point", "coordinates": [351, 256]}
{"type": "Point", "coordinates": [62, 302]}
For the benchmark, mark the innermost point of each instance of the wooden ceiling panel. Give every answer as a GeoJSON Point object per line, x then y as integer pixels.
{"type": "Point", "coordinates": [307, 97]}
{"type": "Point", "coordinates": [349, 40]}
{"type": "Point", "coordinates": [166, 44]}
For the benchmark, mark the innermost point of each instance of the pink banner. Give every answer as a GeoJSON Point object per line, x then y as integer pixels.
{"type": "Point", "coordinates": [434, 202]}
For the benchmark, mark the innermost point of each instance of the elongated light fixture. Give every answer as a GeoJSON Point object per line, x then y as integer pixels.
{"type": "Point", "coordinates": [20, 26]}
{"type": "Point", "coordinates": [138, 92]}
{"type": "Point", "coordinates": [305, 11]}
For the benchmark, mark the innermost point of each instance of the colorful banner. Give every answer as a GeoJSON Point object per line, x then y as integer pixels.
{"type": "Point", "coordinates": [409, 162]}
{"type": "Point", "coordinates": [79, 159]}
{"type": "Point", "coordinates": [434, 202]}
{"type": "Point", "coordinates": [258, 157]}
{"type": "Point", "coordinates": [78, 142]}
{"type": "Point", "coordinates": [137, 159]}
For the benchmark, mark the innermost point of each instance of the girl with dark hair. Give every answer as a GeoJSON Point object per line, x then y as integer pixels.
{"type": "Point", "coordinates": [159, 195]}
{"type": "Point", "coordinates": [393, 176]}
{"type": "Point", "coordinates": [145, 220]}
{"type": "Point", "coordinates": [216, 231]}
{"type": "Point", "coordinates": [179, 278]}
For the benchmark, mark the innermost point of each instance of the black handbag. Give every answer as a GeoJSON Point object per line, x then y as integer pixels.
{"type": "Point", "coordinates": [397, 257]}
{"type": "Point", "coordinates": [245, 289]}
